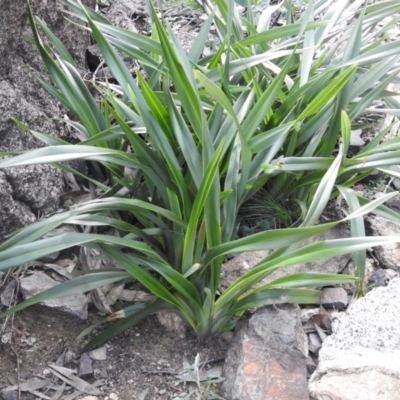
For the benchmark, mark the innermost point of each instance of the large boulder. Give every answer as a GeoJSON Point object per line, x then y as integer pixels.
{"type": "Point", "coordinates": [25, 192]}
{"type": "Point", "coordinates": [361, 359]}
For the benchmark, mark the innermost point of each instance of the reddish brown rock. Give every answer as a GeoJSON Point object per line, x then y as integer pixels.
{"type": "Point", "coordinates": [266, 359]}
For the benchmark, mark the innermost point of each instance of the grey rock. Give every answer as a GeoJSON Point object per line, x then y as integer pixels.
{"type": "Point", "coordinates": [334, 298]}
{"type": "Point", "coordinates": [377, 279]}
{"type": "Point", "coordinates": [355, 138]}
{"type": "Point", "coordinates": [85, 369]}
{"type": "Point", "coordinates": [227, 335]}
{"type": "Point", "coordinates": [90, 398]}
{"type": "Point", "coordinates": [357, 374]}
{"type": "Point", "coordinates": [99, 354]}
{"type": "Point", "coordinates": [266, 357]}
{"type": "Point", "coordinates": [361, 359]}
{"type": "Point", "coordinates": [389, 254]}
{"type": "Point", "coordinates": [8, 295]}
{"type": "Point", "coordinates": [394, 204]}
{"type": "Point", "coordinates": [102, 372]}
{"type": "Point", "coordinates": [172, 322]}
{"type": "Point", "coordinates": [38, 186]}
{"type": "Point", "coordinates": [314, 343]}
{"type": "Point", "coordinates": [396, 183]}
{"type": "Point", "coordinates": [76, 304]}
{"type": "Point", "coordinates": [13, 213]}
{"type": "Point", "coordinates": [22, 97]}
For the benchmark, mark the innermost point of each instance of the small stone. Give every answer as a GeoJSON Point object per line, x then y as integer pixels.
{"type": "Point", "coordinates": [381, 277]}
{"type": "Point", "coordinates": [29, 342]}
{"type": "Point", "coordinates": [396, 183]}
{"type": "Point", "coordinates": [113, 396]}
{"type": "Point", "coordinates": [377, 279]}
{"type": "Point", "coordinates": [6, 337]}
{"type": "Point", "coordinates": [172, 323]}
{"type": "Point", "coordinates": [99, 354]}
{"type": "Point", "coordinates": [85, 369]}
{"type": "Point", "coordinates": [388, 255]}
{"type": "Point", "coordinates": [334, 298]}
{"type": "Point", "coordinates": [394, 204]}
{"type": "Point", "coordinates": [7, 297]}
{"type": "Point", "coordinates": [228, 335]}
{"type": "Point", "coordinates": [103, 373]}
{"type": "Point", "coordinates": [90, 398]}
{"type": "Point", "coordinates": [314, 342]}
{"type": "Point", "coordinates": [355, 138]}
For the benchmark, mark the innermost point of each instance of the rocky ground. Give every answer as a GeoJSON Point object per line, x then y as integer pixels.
{"type": "Point", "coordinates": [144, 363]}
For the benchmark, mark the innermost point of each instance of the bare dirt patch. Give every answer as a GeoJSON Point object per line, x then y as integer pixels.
{"type": "Point", "coordinates": [140, 363]}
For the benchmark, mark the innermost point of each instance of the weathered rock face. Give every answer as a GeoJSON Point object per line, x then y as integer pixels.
{"type": "Point", "coordinates": [22, 97]}
{"type": "Point", "coordinates": [266, 360]}
{"type": "Point", "coordinates": [360, 360]}
{"type": "Point", "coordinates": [13, 213]}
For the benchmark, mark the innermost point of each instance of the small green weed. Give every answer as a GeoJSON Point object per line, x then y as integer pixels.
{"type": "Point", "coordinates": [205, 381]}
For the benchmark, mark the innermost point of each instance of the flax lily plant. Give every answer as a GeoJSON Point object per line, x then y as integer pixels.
{"type": "Point", "coordinates": [185, 140]}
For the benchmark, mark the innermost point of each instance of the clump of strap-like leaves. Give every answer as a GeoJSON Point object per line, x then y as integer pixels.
{"type": "Point", "coordinates": [186, 140]}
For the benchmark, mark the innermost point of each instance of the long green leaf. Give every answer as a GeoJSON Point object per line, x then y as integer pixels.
{"type": "Point", "coordinates": [328, 93]}
{"type": "Point", "coordinates": [198, 207]}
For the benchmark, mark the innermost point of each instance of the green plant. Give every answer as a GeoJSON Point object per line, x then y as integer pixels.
{"type": "Point", "coordinates": [264, 211]}
{"type": "Point", "coordinates": [204, 379]}
{"type": "Point", "coordinates": [183, 149]}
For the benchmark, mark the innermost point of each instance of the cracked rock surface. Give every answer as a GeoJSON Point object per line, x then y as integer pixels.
{"type": "Point", "coordinates": [360, 360]}
{"type": "Point", "coordinates": [28, 190]}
